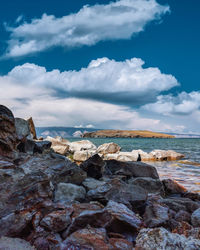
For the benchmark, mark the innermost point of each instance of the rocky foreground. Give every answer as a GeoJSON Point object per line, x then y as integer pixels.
{"type": "Point", "coordinates": [50, 202]}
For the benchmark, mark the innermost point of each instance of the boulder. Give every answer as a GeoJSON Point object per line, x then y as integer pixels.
{"type": "Point", "coordinates": [81, 145]}
{"type": "Point", "coordinates": [173, 187]}
{"type": "Point", "coordinates": [22, 128]}
{"type": "Point", "coordinates": [81, 156]}
{"type": "Point", "coordinates": [32, 128]}
{"type": "Point", "coordinates": [108, 148]}
{"type": "Point", "coordinates": [8, 136]}
{"type": "Point", "coordinates": [122, 156]}
{"type": "Point", "coordinates": [160, 238]}
{"type": "Point", "coordinates": [88, 239]}
{"type": "Point", "coordinates": [165, 155]}
{"type": "Point", "coordinates": [156, 215]}
{"type": "Point", "coordinates": [93, 166]}
{"type": "Point", "coordinates": [61, 149]}
{"type": "Point", "coordinates": [91, 183]}
{"type": "Point", "coordinates": [56, 221]}
{"type": "Point", "coordinates": [69, 192]}
{"type": "Point", "coordinates": [7, 243]}
{"type": "Point", "coordinates": [130, 169]}
{"type": "Point", "coordinates": [57, 141]}
{"type": "Point", "coordinates": [195, 218]}
{"type": "Point", "coordinates": [143, 156]}
{"type": "Point", "coordinates": [149, 184]}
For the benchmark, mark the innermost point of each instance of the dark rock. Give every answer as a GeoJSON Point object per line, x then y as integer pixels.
{"type": "Point", "coordinates": [172, 187]}
{"type": "Point", "coordinates": [78, 208]}
{"type": "Point", "coordinates": [91, 183]}
{"type": "Point", "coordinates": [22, 128]}
{"type": "Point", "coordinates": [178, 204]}
{"type": "Point", "coordinates": [26, 146]}
{"type": "Point", "coordinates": [156, 215]}
{"type": "Point", "coordinates": [130, 169]}
{"type": "Point", "coordinates": [32, 128]}
{"type": "Point", "coordinates": [41, 146]}
{"type": "Point", "coordinates": [120, 244]}
{"type": "Point", "coordinates": [8, 136]}
{"type": "Point", "coordinates": [56, 221]}
{"type": "Point", "coordinates": [149, 184]}
{"type": "Point", "coordinates": [183, 216]}
{"type": "Point", "coordinates": [93, 166]}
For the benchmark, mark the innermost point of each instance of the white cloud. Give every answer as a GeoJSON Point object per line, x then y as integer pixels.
{"type": "Point", "coordinates": [182, 104]}
{"type": "Point", "coordinates": [116, 20]}
{"type": "Point", "coordinates": [108, 80]}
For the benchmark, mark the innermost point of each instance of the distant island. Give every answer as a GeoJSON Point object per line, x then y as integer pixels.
{"type": "Point", "coordinates": [126, 134]}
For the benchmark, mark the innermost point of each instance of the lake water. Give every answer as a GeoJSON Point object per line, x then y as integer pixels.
{"type": "Point", "coordinates": [186, 174]}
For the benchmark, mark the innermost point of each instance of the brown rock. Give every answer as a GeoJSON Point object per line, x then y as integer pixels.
{"type": "Point", "coordinates": [8, 136]}
{"type": "Point", "coordinates": [120, 244]}
{"type": "Point", "coordinates": [172, 187]}
{"type": "Point", "coordinates": [32, 128]}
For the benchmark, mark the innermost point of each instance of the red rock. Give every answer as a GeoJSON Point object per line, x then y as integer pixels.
{"type": "Point", "coordinates": [120, 244]}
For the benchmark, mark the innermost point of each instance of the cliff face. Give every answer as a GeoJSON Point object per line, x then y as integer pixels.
{"type": "Point", "coordinates": [126, 134]}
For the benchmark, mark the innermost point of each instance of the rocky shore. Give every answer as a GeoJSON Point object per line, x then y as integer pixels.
{"type": "Point", "coordinates": [48, 201]}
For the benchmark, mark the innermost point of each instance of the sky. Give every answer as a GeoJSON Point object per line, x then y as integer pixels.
{"type": "Point", "coordinates": [125, 64]}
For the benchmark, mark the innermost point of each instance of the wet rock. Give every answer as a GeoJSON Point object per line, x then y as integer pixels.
{"type": "Point", "coordinates": [91, 183]}
{"type": "Point", "coordinates": [183, 216]}
{"type": "Point", "coordinates": [178, 203]}
{"type": "Point", "coordinates": [122, 218]}
{"type": "Point", "coordinates": [93, 166]}
{"type": "Point", "coordinates": [195, 218]}
{"type": "Point", "coordinates": [8, 136]}
{"type": "Point", "coordinates": [130, 169]}
{"type": "Point", "coordinates": [69, 192]}
{"type": "Point", "coordinates": [14, 243]}
{"type": "Point", "coordinates": [81, 156]}
{"type": "Point", "coordinates": [149, 184]}
{"type": "Point", "coordinates": [172, 187]}
{"type": "Point", "coordinates": [56, 221]}
{"type": "Point", "coordinates": [160, 238]}
{"type": "Point", "coordinates": [81, 145]}
{"type": "Point", "coordinates": [32, 128]}
{"type": "Point", "coordinates": [22, 128]}
{"type": "Point", "coordinates": [156, 215]}
{"type": "Point", "coordinates": [108, 148]}
{"type": "Point", "coordinates": [165, 155]}
{"type": "Point", "coordinates": [87, 239]}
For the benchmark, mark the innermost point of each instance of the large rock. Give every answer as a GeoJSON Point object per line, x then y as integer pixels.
{"type": "Point", "coordinates": [165, 155]}
{"type": "Point", "coordinates": [14, 244]}
{"type": "Point", "coordinates": [122, 156]}
{"type": "Point", "coordinates": [143, 156]}
{"type": "Point", "coordinates": [160, 239]}
{"type": "Point", "coordinates": [130, 169]}
{"type": "Point", "coordinates": [69, 192]}
{"type": "Point", "coordinates": [22, 128]}
{"type": "Point", "coordinates": [8, 136]}
{"type": "Point", "coordinates": [81, 145]}
{"type": "Point", "coordinates": [93, 166]}
{"type": "Point", "coordinates": [91, 183]}
{"type": "Point", "coordinates": [108, 148]}
{"type": "Point", "coordinates": [149, 184]}
{"type": "Point", "coordinates": [32, 128]}
{"type": "Point", "coordinates": [81, 156]}
{"type": "Point", "coordinates": [59, 145]}
{"type": "Point", "coordinates": [196, 218]}
{"type": "Point", "coordinates": [173, 187]}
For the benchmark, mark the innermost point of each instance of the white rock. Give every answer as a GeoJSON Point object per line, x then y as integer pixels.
{"type": "Point", "coordinates": [108, 148]}
{"type": "Point", "coordinates": [61, 149]}
{"type": "Point", "coordinates": [195, 218]}
{"type": "Point", "coordinates": [122, 156]}
{"type": "Point", "coordinates": [144, 155]}
{"type": "Point", "coordinates": [69, 192]}
{"type": "Point", "coordinates": [81, 156]}
{"type": "Point", "coordinates": [161, 239]}
{"type": "Point", "coordinates": [165, 155]}
{"type": "Point", "coordinates": [81, 145]}
{"type": "Point", "coordinates": [57, 141]}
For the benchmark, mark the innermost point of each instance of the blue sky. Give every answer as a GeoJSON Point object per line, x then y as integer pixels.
{"type": "Point", "coordinates": [44, 63]}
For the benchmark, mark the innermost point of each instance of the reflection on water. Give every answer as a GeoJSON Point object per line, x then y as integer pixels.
{"type": "Point", "coordinates": [187, 174]}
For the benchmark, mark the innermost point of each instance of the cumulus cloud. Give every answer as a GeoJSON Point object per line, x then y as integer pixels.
{"type": "Point", "coordinates": [117, 20]}
{"type": "Point", "coordinates": [182, 104]}
{"type": "Point", "coordinates": [126, 82]}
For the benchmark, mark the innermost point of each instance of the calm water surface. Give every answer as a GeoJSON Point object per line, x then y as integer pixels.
{"type": "Point", "coordinates": [186, 174]}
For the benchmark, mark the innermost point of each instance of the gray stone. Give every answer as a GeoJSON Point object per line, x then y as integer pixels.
{"type": "Point", "coordinates": [91, 183]}
{"type": "Point", "coordinates": [195, 218]}
{"type": "Point", "coordinates": [14, 244]}
{"type": "Point", "coordinates": [22, 128]}
{"type": "Point", "coordinates": [69, 192]}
